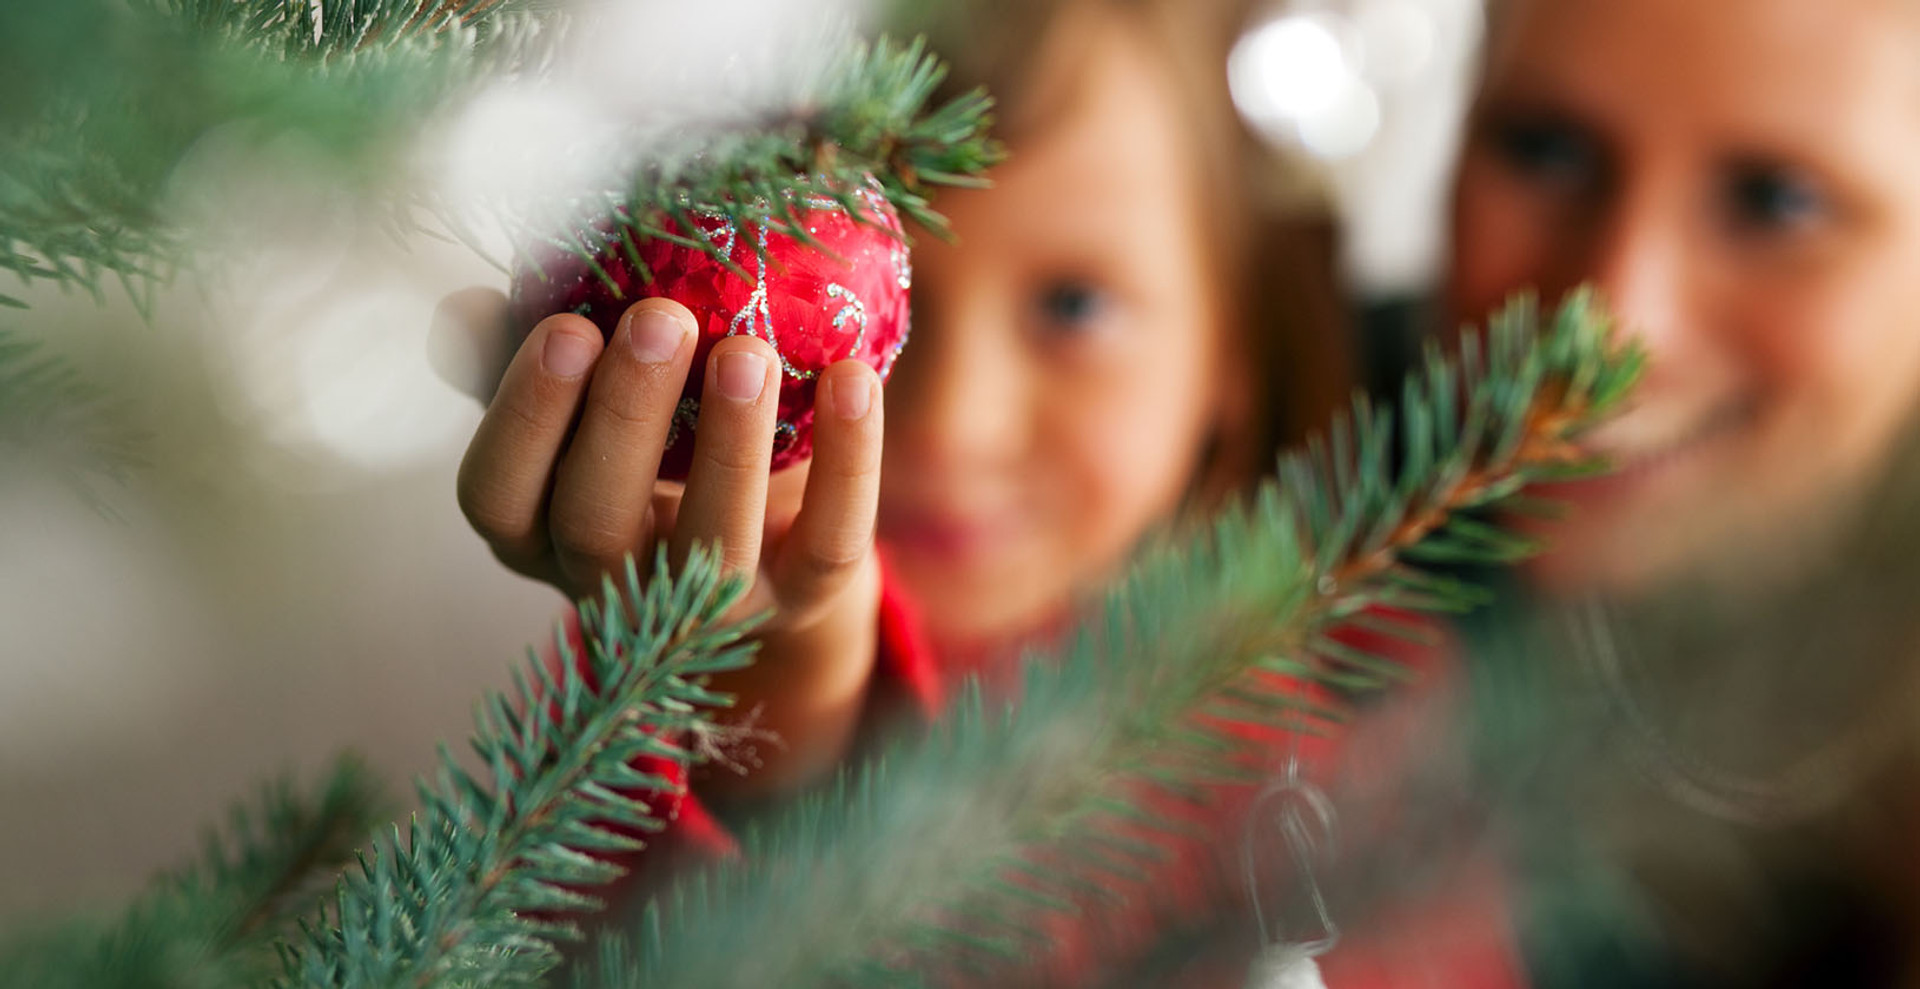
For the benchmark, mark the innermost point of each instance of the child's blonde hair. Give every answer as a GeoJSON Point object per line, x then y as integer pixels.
{"type": "Point", "coordinates": [1271, 233]}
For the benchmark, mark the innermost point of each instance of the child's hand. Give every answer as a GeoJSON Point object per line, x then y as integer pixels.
{"type": "Point", "coordinates": [560, 480]}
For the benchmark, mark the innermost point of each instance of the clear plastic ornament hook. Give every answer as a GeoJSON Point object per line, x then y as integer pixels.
{"type": "Point", "coordinates": [1308, 826]}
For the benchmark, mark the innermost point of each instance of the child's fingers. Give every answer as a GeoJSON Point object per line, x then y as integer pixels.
{"type": "Point", "coordinates": [726, 499]}
{"type": "Point", "coordinates": [833, 534]}
{"type": "Point", "coordinates": [509, 465]}
{"type": "Point", "coordinates": [602, 494]}
{"type": "Point", "coordinates": [470, 343]}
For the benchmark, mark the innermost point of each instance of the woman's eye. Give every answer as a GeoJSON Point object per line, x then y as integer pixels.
{"type": "Point", "coordinates": [1071, 306]}
{"type": "Point", "coordinates": [1763, 198]}
{"type": "Point", "coordinates": [1548, 150]}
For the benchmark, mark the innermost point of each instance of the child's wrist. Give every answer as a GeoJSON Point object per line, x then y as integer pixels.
{"type": "Point", "coordinates": [808, 689]}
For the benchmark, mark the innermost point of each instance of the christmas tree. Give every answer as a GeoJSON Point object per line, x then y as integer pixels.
{"type": "Point", "coordinates": [488, 881]}
{"type": "Point", "coordinates": [476, 889]}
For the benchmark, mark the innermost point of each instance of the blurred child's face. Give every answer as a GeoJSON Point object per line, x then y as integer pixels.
{"type": "Point", "coordinates": [1065, 370]}
{"type": "Point", "coordinates": [1742, 181]}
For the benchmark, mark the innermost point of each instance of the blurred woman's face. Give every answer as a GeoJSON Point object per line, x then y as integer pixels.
{"type": "Point", "coordinates": [1741, 179]}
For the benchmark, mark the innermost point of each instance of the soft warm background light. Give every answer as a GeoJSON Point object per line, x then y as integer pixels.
{"type": "Point", "coordinates": [1376, 89]}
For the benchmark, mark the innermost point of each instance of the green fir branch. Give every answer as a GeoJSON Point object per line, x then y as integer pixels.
{"type": "Point", "coordinates": [874, 111]}
{"type": "Point", "coordinates": [947, 853]}
{"type": "Point", "coordinates": [108, 98]}
{"type": "Point", "coordinates": [943, 855]}
{"type": "Point", "coordinates": [476, 891]}
{"type": "Point", "coordinates": [863, 124]}
{"type": "Point", "coordinates": [280, 851]}
{"type": "Point", "coordinates": [214, 923]}
{"type": "Point", "coordinates": [53, 418]}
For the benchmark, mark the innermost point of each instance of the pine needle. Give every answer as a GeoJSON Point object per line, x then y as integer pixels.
{"type": "Point", "coordinates": [214, 923]}
{"type": "Point", "coordinates": [862, 128]}
{"type": "Point", "coordinates": [106, 99]}
{"type": "Point", "coordinates": [53, 418]}
{"type": "Point", "coordinates": [474, 892]}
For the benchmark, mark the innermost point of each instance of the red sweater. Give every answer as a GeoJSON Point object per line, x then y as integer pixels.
{"type": "Point", "coordinates": [1457, 936]}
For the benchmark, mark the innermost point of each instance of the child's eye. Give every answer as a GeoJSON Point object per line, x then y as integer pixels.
{"type": "Point", "coordinates": [1071, 305]}
{"type": "Point", "coordinates": [1549, 151]}
{"type": "Point", "coordinates": [1764, 198]}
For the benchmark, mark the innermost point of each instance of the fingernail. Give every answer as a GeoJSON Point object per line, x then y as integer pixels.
{"type": "Point", "coordinates": [566, 355]}
{"type": "Point", "coordinates": [741, 375]}
{"type": "Point", "coordinates": [654, 336]}
{"type": "Point", "coordinates": [852, 397]}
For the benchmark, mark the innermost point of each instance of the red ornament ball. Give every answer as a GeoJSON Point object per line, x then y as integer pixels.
{"type": "Point", "coordinates": [843, 297]}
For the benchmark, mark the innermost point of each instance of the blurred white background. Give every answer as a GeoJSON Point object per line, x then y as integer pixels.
{"type": "Point", "coordinates": [289, 575]}
{"type": "Point", "coordinates": [1376, 90]}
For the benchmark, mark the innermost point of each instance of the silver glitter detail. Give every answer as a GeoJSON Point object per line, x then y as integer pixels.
{"type": "Point", "coordinates": [723, 228]}
{"type": "Point", "coordinates": [784, 430]}
{"type": "Point", "coordinates": [902, 267]}
{"type": "Point", "coordinates": [757, 313]}
{"type": "Point", "coordinates": [886, 366]}
{"type": "Point", "coordinates": [854, 310]}
{"type": "Point", "coordinates": [874, 196]}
